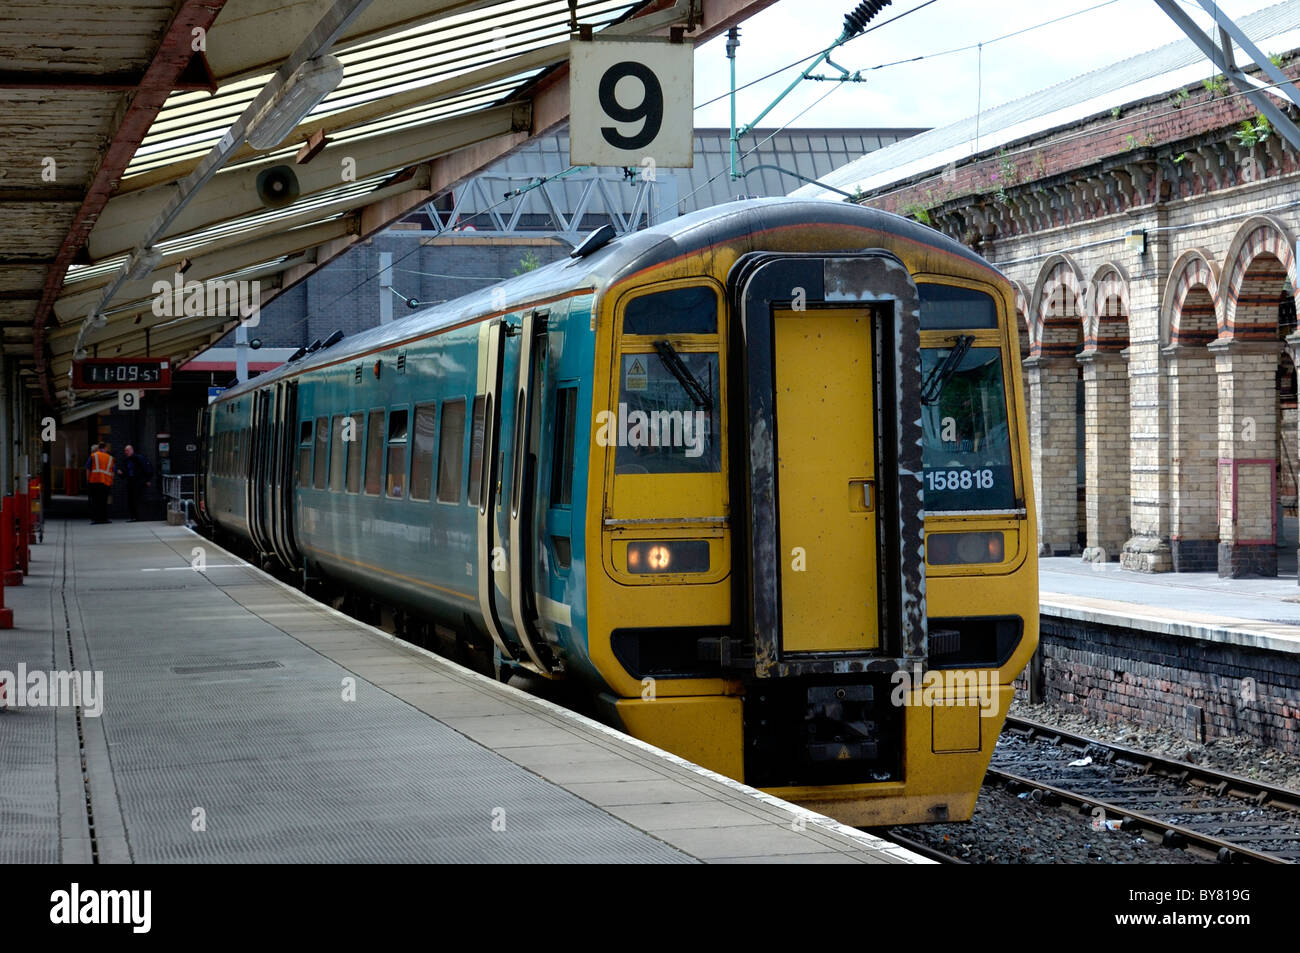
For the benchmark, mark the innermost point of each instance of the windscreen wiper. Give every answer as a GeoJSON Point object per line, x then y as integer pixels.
{"type": "Point", "coordinates": [673, 361]}
{"type": "Point", "coordinates": [937, 378]}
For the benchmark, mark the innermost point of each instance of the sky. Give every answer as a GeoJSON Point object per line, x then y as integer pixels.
{"type": "Point", "coordinates": [939, 89]}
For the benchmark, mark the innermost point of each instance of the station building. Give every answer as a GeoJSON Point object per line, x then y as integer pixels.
{"type": "Point", "coordinates": [1148, 218]}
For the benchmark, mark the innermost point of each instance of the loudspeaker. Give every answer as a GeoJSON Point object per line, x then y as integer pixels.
{"type": "Point", "coordinates": [277, 186]}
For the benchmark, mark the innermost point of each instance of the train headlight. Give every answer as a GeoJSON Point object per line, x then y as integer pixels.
{"type": "Point", "coordinates": [668, 555]}
{"type": "Point", "coordinates": [955, 549]}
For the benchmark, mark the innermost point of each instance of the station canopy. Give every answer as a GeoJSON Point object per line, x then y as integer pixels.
{"type": "Point", "coordinates": [124, 161]}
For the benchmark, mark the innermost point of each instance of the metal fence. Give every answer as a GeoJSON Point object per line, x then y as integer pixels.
{"type": "Point", "coordinates": [178, 491]}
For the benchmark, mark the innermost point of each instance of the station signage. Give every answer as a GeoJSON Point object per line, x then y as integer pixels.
{"type": "Point", "coordinates": [111, 373]}
{"type": "Point", "coordinates": [631, 104]}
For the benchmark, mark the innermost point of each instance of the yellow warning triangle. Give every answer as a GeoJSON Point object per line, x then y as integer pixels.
{"type": "Point", "coordinates": [636, 367]}
{"type": "Point", "coordinates": [844, 753]}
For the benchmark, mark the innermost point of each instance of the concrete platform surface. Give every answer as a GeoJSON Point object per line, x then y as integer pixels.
{"type": "Point", "coordinates": [240, 721]}
{"type": "Point", "coordinates": [1256, 612]}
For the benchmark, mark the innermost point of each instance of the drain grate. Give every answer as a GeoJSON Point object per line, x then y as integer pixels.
{"type": "Point", "coordinates": [223, 667]}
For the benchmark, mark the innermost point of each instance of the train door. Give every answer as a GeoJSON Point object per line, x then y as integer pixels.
{"type": "Point", "coordinates": [524, 549]}
{"type": "Point", "coordinates": [831, 461]}
{"type": "Point", "coordinates": [204, 458]}
{"type": "Point", "coordinates": [284, 426]}
{"type": "Point", "coordinates": [492, 343]}
{"type": "Point", "coordinates": [255, 492]}
{"type": "Point", "coordinates": [826, 512]}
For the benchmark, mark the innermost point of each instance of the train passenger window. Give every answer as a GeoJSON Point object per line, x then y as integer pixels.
{"type": "Point", "coordinates": [422, 452]}
{"type": "Point", "coordinates": [354, 452]}
{"type": "Point", "coordinates": [691, 310]}
{"type": "Point", "coordinates": [477, 431]}
{"type": "Point", "coordinates": [375, 452]}
{"type": "Point", "coordinates": [322, 451]}
{"type": "Point", "coordinates": [304, 453]}
{"type": "Point", "coordinates": [397, 453]}
{"type": "Point", "coordinates": [451, 451]}
{"type": "Point", "coordinates": [946, 307]}
{"type": "Point", "coordinates": [566, 405]}
{"type": "Point", "coordinates": [336, 452]}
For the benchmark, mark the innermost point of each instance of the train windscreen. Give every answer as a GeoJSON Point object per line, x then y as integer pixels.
{"type": "Point", "coordinates": [967, 450]}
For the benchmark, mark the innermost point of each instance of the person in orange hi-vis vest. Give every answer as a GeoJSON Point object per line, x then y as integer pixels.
{"type": "Point", "coordinates": [99, 477]}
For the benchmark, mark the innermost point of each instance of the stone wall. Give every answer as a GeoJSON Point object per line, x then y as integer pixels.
{"type": "Point", "coordinates": [1205, 689]}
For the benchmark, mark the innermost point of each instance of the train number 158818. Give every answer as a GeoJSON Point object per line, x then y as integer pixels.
{"type": "Point", "coordinates": [959, 479]}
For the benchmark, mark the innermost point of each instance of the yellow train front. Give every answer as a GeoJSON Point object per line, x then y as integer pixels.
{"type": "Point", "coordinates": [809, 490]}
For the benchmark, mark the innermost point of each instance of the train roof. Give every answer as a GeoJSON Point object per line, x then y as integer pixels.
{"type": "Point", "coordinates": [623, 256]}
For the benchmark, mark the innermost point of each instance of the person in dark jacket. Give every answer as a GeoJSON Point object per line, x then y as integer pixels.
{"type": "Point", "coordinates": [138, 474]}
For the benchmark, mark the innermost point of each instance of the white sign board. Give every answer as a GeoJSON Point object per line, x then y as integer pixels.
{"type": "Point", "coordinates": [129, 399]}
{"type": "Point", "coordinates": [631, 104]}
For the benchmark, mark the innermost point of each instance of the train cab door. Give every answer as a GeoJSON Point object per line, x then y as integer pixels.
{"type": "Point", "coordinates": [833, 462]}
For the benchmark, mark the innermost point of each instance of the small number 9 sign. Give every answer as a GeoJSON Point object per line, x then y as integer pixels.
{"type": "Point", "coordinates": [631, 101]}
{"type": "Point", "coordinates": [128, 400]}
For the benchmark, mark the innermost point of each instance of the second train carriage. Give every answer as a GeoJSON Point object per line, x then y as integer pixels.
{"type": "Point", "coordinates": [757, 478]}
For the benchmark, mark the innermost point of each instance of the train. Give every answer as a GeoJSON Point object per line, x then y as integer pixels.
{"type": "Point", "coordinates": [753, 482]}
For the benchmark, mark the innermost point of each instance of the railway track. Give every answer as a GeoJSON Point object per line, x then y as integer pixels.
{"type": "Point", "coordinates": [1225, 816]}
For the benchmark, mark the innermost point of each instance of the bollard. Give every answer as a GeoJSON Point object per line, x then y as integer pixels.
{"type": "Point", "coordinates": [8, 543]}
{"type": "Point", "coordinates": [6, 562]}
{"type": "Point", "coordinates": [6, 615]}
{"type": "Point", "coordinates": [23, 518]}
{"type": "Point", "coordinates": [33, 508]}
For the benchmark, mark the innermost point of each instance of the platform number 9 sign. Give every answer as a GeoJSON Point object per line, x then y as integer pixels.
{"type": "Point", "coordinates": [128, 399]}
{"type": "Point", "coordinates": [649, 111]}
{"type": "Point", "coordinates": [631, 101]}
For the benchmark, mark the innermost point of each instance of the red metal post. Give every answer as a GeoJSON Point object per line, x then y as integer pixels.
{"type": "Point", "coordinates": [34, 503]}
{"type": "Point", "coordinates": [13, 576]}
{"type": "Point", "coordinates": [21, 519]}
{"type": "Point", "coordinates": [6, 561]}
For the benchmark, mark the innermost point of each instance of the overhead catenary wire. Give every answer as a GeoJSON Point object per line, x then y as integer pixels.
{"type": "Point", "coordinates": [910, 59]}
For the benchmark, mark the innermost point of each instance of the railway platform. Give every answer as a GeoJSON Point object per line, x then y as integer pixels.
{"type": "Point", "coordinates": [1206, 657]}
{"type": "Point", "coordinates": [1260, 613]}
{"type": "Point", "coordinates": [226, 717]}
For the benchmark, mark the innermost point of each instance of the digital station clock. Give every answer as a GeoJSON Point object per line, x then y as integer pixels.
{"type": "Point", "coordinates": [110, 373]}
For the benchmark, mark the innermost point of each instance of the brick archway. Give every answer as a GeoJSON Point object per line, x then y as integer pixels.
{"type": "Point", "coordinates": [1105, 320]}
{"type": "Point", "coordinates": [1106, 463]}
{"type": "Point", "coordinates": [1260, 261]}
{"type": "Point", "coordinates": [1025, 330]}
{"type": "Point", "coordinates": [1190, 313]}
{"type": "Point", "coordinates": [1190, 321]}
{"type": "Point", "coordinates": [1058, 310]}
{"type": "Point", "coordinates": [1260, 266]}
